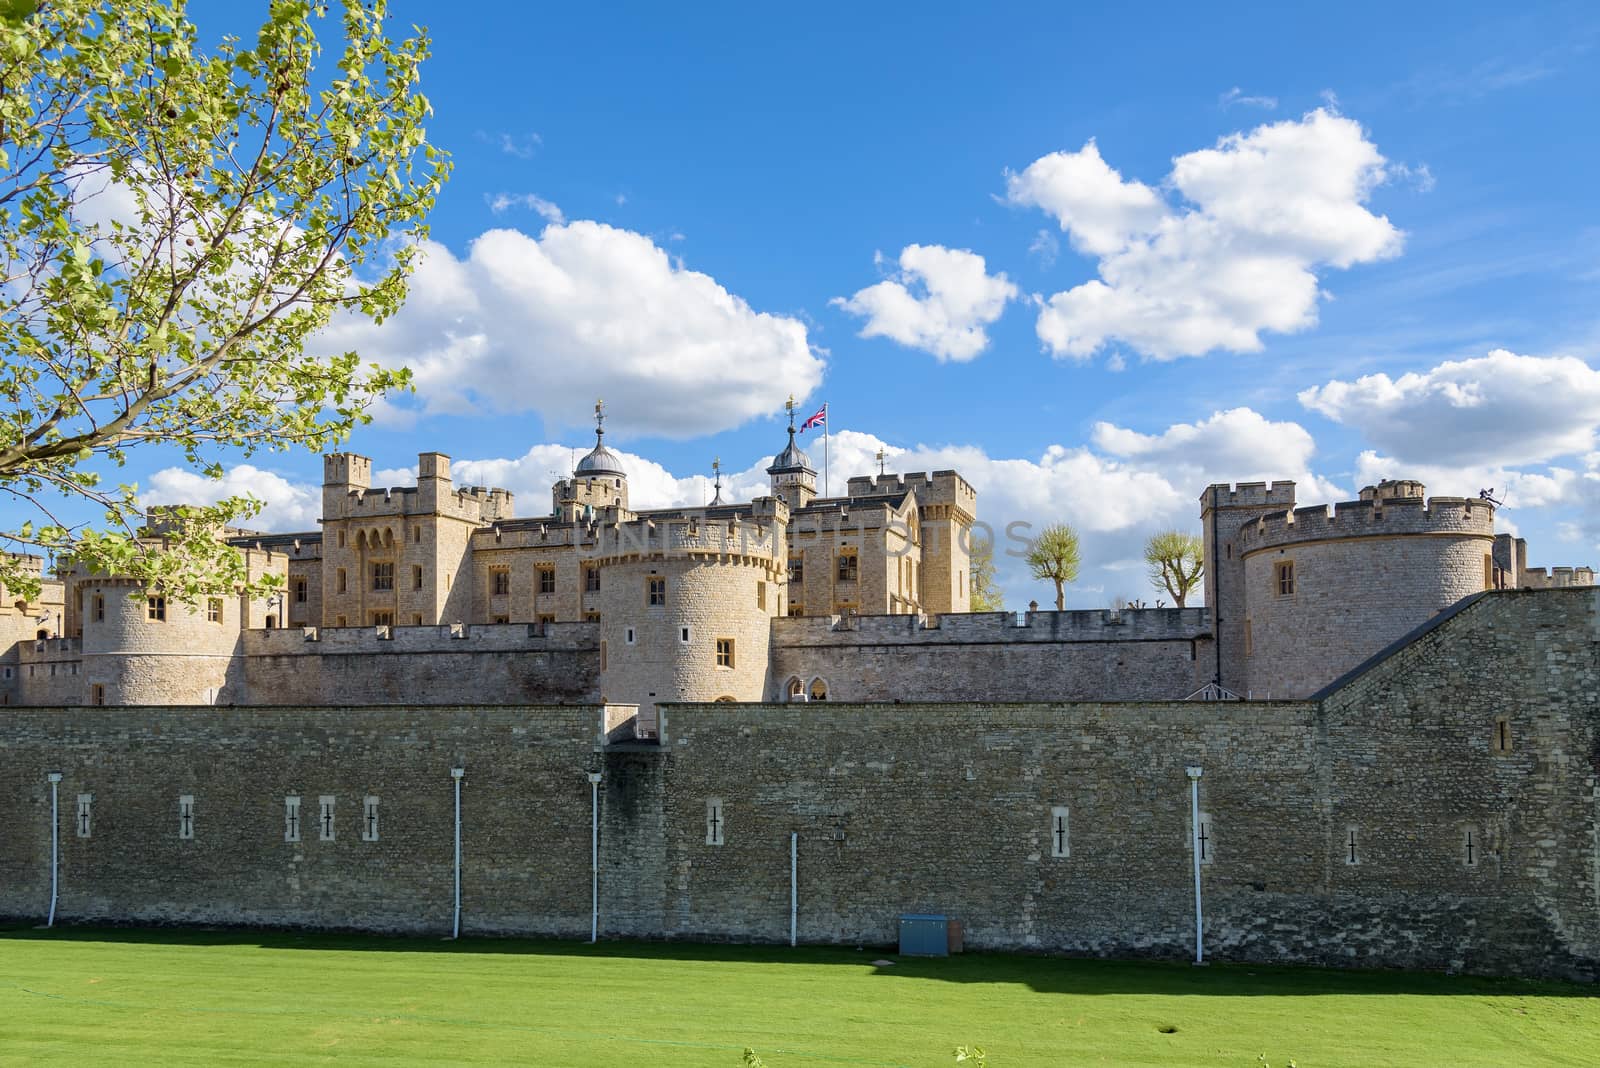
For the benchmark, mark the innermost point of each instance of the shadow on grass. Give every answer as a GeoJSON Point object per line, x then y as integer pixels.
{"type": "Point", "coordinates": [1083, 976]}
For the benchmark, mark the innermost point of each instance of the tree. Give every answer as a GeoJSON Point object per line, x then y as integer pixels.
{"type": "Point", "coordinates": [1177, 562]}
{"type": "Point", "coordinates": [985, 594]}
{"type": "Point", "coordinates": [1053, 555]}
{"type": "Point", "coordinates": [175, 227]}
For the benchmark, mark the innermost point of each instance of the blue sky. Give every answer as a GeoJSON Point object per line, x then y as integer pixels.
{"type": "Point", "coordinates": [1094, 257]}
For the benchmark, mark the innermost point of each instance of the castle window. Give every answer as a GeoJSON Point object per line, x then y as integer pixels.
{"type": "Point", "coordinates": [656, 591]}
{"type": "Point", "coordinates": [416, 576]}
{"type": "Point", "coordinates": [383, 576]}
{"type": "Point", "coordinates": [797, 689]}
{"type": "Point", "coordinates": [7, 673]}
{"type": "Point", "coordinates": [819, 690]}
{"type": "Point", "coordinates": [591, 579]}
{"type": "Point", "coordinates": [725, 652]}
{"type": "Point", "coordinates": [156, 609]}
{"type": "Point", "coordinates": [341, 539]}
{"type": "Point", "coordinates": [602, 654]}
{"type": "Point", "coordinates": [547, 580]}
{"type": "Point", "coordinates": [546, 619]}
{"type": "Point", "coordinates": [383, 619]}
{"type": "Point", "coordinates": [628, 636]}
{"type": "Point", "coordinates": [1283, 572]}
{"type": "Point", "coordinates": [1060, 840]}
{"type": "Point", "coordinates": [502, 581]}
{"type": "Point", "coordinates": [1351, 854]}
{"type": "Point", "coordinates": [325, 817]}
{"type": "Point", "coordinates": [85, 821]}
{"type": "Point", "coordinates": [339, 621]}
{"type": "Point", "coordinates": [591, 617]}
{"type": "Point", "coordinates": [416, 534]}
{"type": "Point", "coordinates": [291, 819]}
{"type": "Point", "coordinates": [339, 582]}
{"type": "Point", "coordinates": [416, 619]}
{"type": "Point", "coordinates": [369, 820]}
{"type": "Point", "coordinates": [1249, 645]}
{"type": "Point", "coordinates": [797, 571]}
{"type": "Point", "coordinates": [299, 591]}
{"type": "Point", "coordinates": [502, 619]}
{"type": "Point", "coordinates": [683, 635]}
{"type": "Point", "coordinates": [761, 595]}
{"type": "Point", "coordinates": [1473, 843]}
{"type": "Point", "coordinates": [797, 610]}
{"type": "Point", "coordinates": [97, 693]}
{"type": "Point", "coordinates": [848, 566]}
{"type": "Point", "coordinates": [99, 608]}
{"type": "Point", "coordinates": [186, 816]}
{"type": "Point", "coordinates": [714, 821]}
{"type": "Point", "coordinates": [213, 609]}
{"type": "Point", "coordinates": [1502, 735]}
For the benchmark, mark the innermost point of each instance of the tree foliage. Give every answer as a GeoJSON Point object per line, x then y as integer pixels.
{"type": "Point", "coordinates": [984, 593]}
{"type": "Point", "coordinates": [1053, 555]}
{"type": "Point", "coordinates": [1177, 563]}
{"type": "Point", "coordinates": [175, 226]}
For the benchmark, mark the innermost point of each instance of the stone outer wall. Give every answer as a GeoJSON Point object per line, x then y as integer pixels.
{"type": "Point", "coordinates": [525, 815]}
{"type": "Point", "coordinates": [510, 664]}
{"type": "Point", "coordinates": [942, 808]}
{"type": "Point", "coordinates": [1145, 654]}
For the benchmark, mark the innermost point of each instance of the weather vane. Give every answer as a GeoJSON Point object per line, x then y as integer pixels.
{"type": "Point", "coordinates": [880, 461]}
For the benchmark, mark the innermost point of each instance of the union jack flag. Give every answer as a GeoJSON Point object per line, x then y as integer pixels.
{"type": "Point", "coordinates": [821, 418]}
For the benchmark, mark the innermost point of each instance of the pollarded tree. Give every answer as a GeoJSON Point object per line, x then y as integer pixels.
{"type": "Point", "coordinates": [1177, 563]}
{"type": "Point", "coordinates": [174, 227]}
{"type": "Point", "coordinates": [1053, 555]}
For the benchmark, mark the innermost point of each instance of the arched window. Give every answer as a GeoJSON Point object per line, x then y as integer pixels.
{"type": "Point", "coordinates": [796, 688]}
{"type": "Point", "coordinates": [726, 700]}
{"type": "Point", "coordinates": [819, 690]}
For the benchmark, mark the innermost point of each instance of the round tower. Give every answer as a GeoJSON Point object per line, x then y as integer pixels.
{"type": "Point", "coordinates": [687, 605]}
{"type": "Point", "coordinates": [1327, 588]}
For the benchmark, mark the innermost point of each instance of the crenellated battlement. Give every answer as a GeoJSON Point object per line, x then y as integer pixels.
{"type": "Point", "coordinates": [1094, 625]}
{"type": "Point", "coordinates": [1464, 516]}
{"type": "Point", "coordinates": [940, 487]}
{"type": "Point", "coordinates": [1222, 495]}
{"type": "Point", "coordinates": [448, 638]}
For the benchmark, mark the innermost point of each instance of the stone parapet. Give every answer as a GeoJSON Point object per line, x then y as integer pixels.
{"type": "Point", "coordinates": [1357, 519]}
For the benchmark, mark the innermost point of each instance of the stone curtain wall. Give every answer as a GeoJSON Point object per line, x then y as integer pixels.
{"type": "Point", "coordinates": [944, 808]}
{"type": "Point", "coordinates": [1135, 655]}
{"type": "Point", "coordinates": [525, 801]}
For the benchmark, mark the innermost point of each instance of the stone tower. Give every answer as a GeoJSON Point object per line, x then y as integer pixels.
{"type": "Point", "coordinates": [794, 480]}
{"type": "Point", "coordinates": [597, 483]}
{"type": "Point", "coordinates": [1224, 509]}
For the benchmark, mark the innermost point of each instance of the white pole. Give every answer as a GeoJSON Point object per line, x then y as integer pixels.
{"type": "Point", "coordinates": [794, 885]}
{"type": "Point", "coordinates": [594, 856]}
{"type": "Point", "coordinates": [1194, 774]}
{"type": "Point", "coordinates": [827, 438]}
{"type": "Point", "coordinates": [455, 924]}
{"type": "Point", "coordinates": [55, 844]}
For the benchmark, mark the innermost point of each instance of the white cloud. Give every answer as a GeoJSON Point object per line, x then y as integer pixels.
{"type": "Point", "coordinates": [1237, 96]}
{"type": "Point", "coordinates": [1496, 410]}
{"type": "Point", "coordinates": [1045, 248]}
{"type": "Point", "coordinates": [1265, 210]}
{"type": "Point", "coordinates": [289, 505]}
{"type": "Point", "coordinates": [522, 146]}
{"type": "Point", "coordinates": [501, 202]}
{"type": "Point", "coordinates": [941, 301]}
{"type": "Point", "coordinates": [547, 323]}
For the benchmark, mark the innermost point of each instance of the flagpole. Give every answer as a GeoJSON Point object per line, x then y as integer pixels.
{"type": "Point", "coordinates": [827, 439]}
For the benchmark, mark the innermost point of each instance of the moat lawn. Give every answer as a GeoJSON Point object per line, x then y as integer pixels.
{"type": "Point", "coordinates": [75, 996]}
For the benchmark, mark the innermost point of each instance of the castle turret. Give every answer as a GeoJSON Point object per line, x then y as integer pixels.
{"type": "Point", "coordinates": [598, 481]}
{"type": "Point", "coordinates": [793, 477]}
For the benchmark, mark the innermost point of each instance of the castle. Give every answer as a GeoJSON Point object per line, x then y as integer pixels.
{"type": "Point", "coordinates": [774, 720]}
{"type": "Point", "coordinates": [405, 592]}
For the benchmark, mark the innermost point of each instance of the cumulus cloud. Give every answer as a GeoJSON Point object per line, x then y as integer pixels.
{"type": "Point", "coordinates": [1495, 410]}
{"type": "Point", "coordinates": [288, 505]}
{"type": "Point", "coordinates": [546, 323]}
{"type": "Point", "coordinates": [940, 301]}
{"type": "Point", "coordinates": [1261, 213]}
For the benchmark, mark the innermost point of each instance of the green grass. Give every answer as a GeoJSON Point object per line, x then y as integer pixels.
{"type": "Point", "coordinates": [183, 997]}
